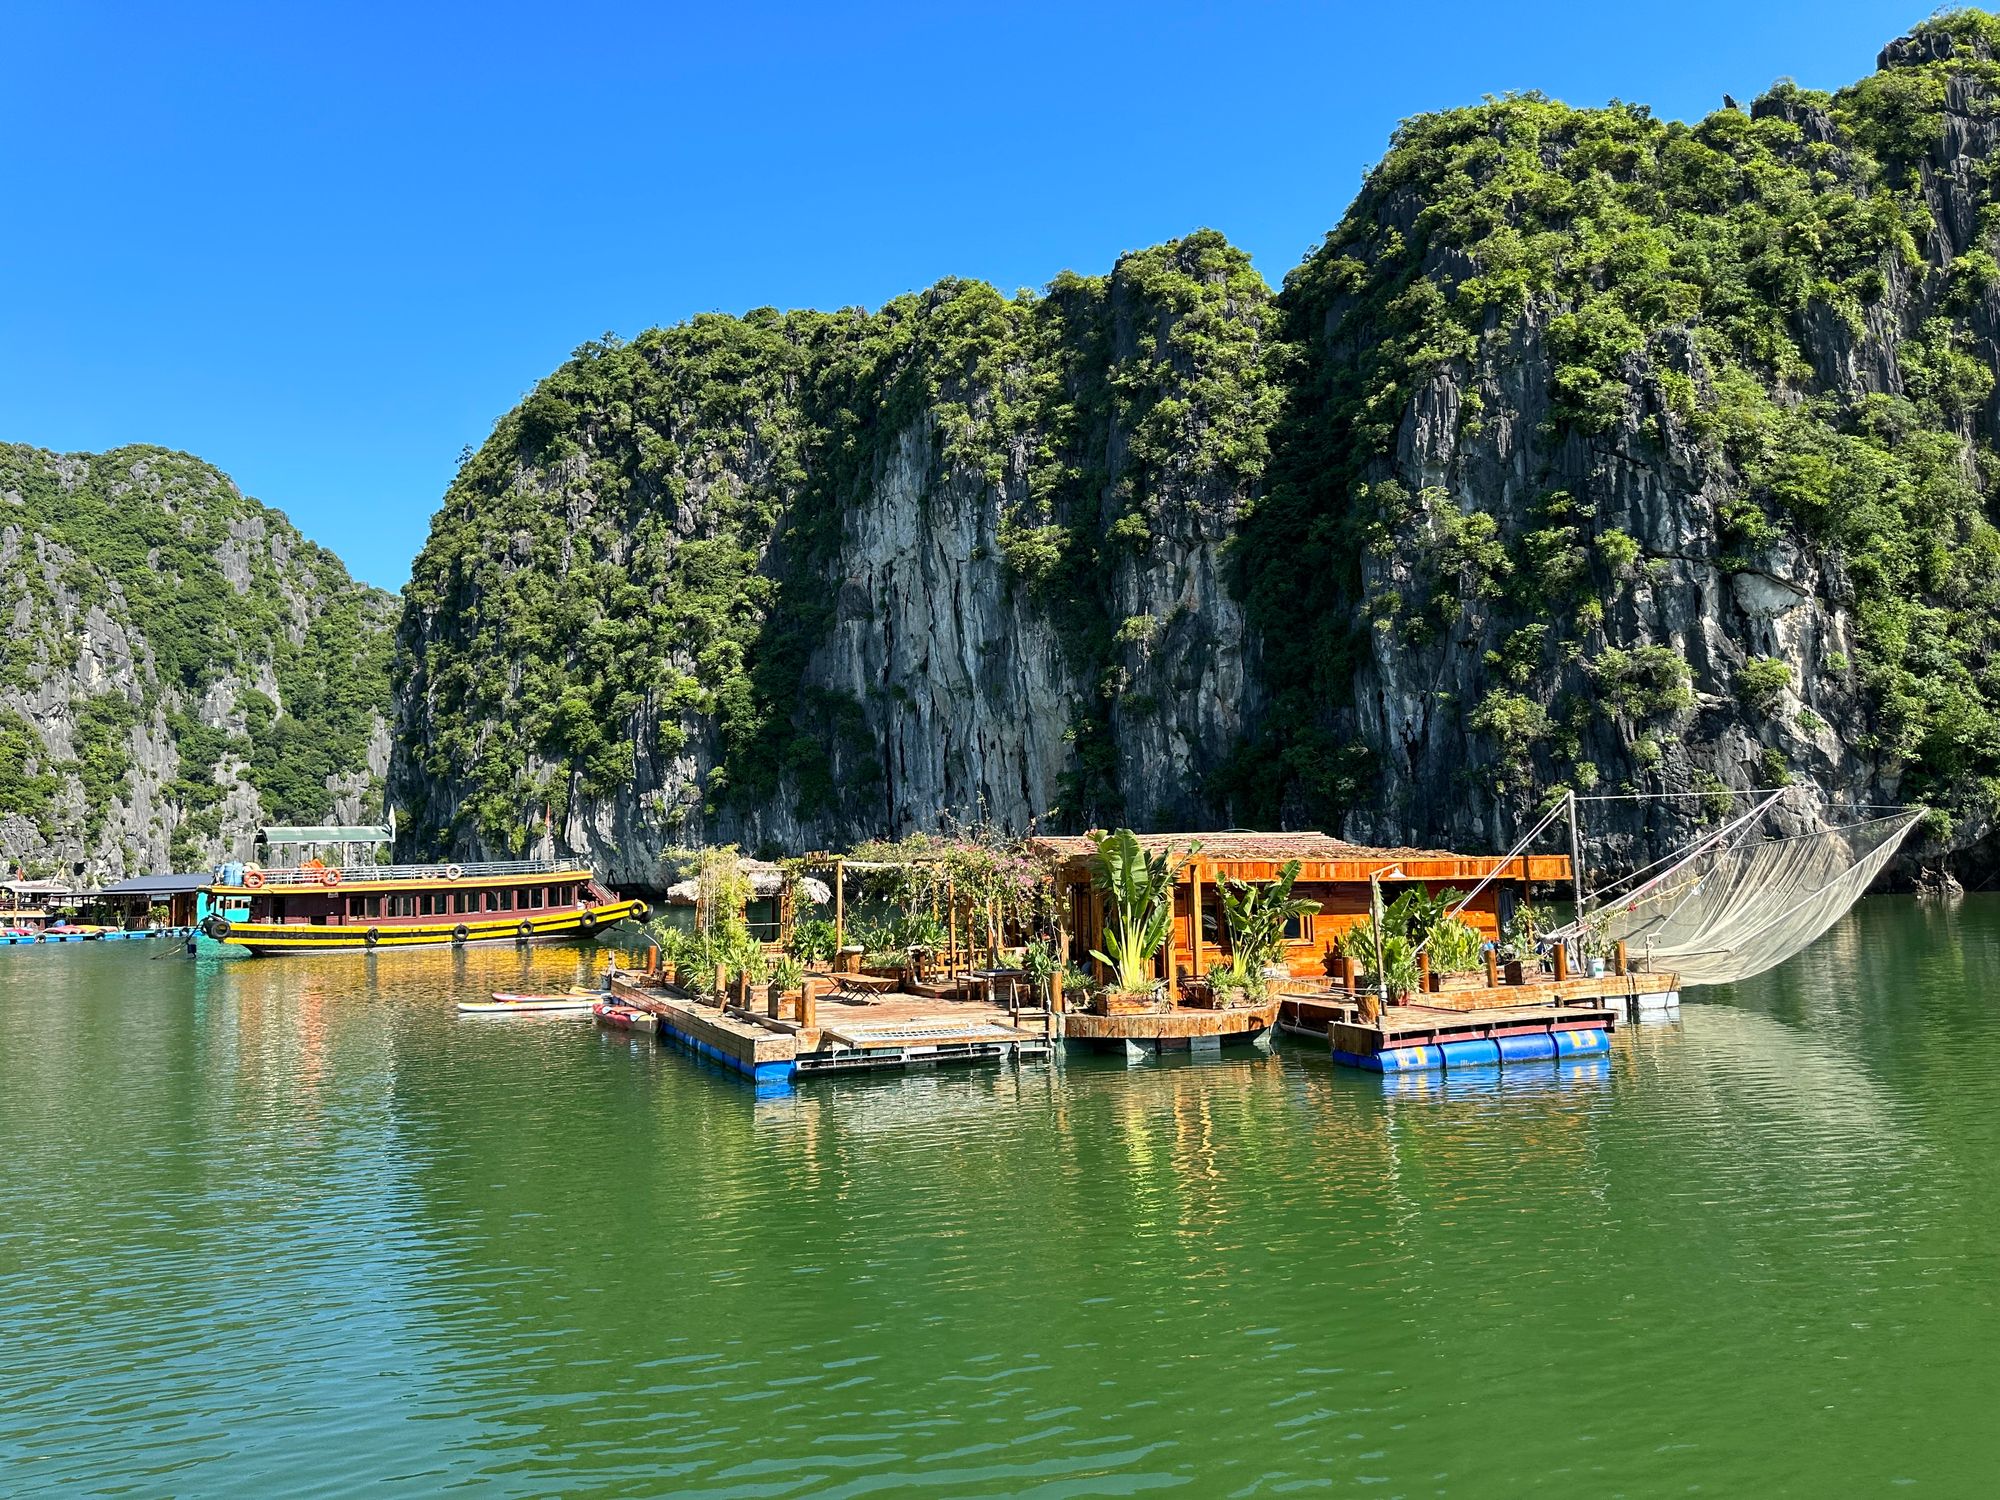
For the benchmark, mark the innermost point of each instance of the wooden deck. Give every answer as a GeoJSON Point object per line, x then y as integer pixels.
{"type": "Point", "coordinates": [852, 1031]}
{"type": "Point", "coordinates": [1623, 994]}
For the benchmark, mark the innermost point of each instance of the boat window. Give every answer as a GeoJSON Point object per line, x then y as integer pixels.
{"type": "Point", "coordinates": [458, 903]}
{"type": "Point", "coordinates": [506, 900]}
{"type": "Point", "coordinates": [536, 896]}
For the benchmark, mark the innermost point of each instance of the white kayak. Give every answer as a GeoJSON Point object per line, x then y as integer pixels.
{"type": "Point", "coordinates": [504, 1003]}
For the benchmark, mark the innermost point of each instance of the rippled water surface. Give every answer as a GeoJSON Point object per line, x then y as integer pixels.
{"type": "Point", "coordinates": [296, 1226]}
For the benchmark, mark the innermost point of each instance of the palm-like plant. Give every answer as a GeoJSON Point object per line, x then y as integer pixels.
{"type": "Point", "coordinates": [1257, 918]}
{"type": "Point", "coordinates": [1139, 888]}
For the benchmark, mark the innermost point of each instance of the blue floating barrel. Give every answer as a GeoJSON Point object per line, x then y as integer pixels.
{"type": "Point", "coordinates": [1536, 1046]}
{"type": "Point", "coordinates": [1483, 1052]}
{"type": "Point", "coordinates": [1408, 1059]}
{"type": "Point", "coordinates": [1581, 1043]}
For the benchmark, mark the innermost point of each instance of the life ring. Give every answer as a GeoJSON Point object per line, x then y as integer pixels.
{"type": "Point", "coordinates": [372, 936]}
{"type": "Point", "coordinates": [252, 876]}
{"type": "Point", "coordinates": [460, 933]}
{"type": "Point", "coordinates": [453, 872]}
{"type": "Point", "coordinates": [587, 920]}
{"type": "Point", "coordinates": [526, 929]}
{"type": "Point", "coordinates": [329, 877]}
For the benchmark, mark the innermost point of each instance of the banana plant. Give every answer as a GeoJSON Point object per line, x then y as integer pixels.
{"type": "Point", "coordinates": [1257, 916]}
{"type": "Point", "coordinates": [1139, 891]}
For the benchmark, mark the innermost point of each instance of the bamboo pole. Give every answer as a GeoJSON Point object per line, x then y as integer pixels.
{"type": "Point", "coordinates": [839, 904]}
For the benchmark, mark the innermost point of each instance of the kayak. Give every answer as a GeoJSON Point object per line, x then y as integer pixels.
{"type": "Point", "coordinates": [504, 1002]}
{"type": "Point", "coordinates": [624, 1017]}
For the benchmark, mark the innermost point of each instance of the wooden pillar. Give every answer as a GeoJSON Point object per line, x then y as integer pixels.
{"type": "Point", "coordinates": [1194, 921]}
{"type": "Point", "coordinates": [1423, 973]}
{"type": "Point", "coordinates": [951, 921]}
{"type": "Point", "coordinates": [1562, 961]}
{"type": "Point", "coordinates": [1492, 969]}
{"type": "Point", "coordinates": [1622, 960]}
{"type": "Point", "coordinates": [839, 904]}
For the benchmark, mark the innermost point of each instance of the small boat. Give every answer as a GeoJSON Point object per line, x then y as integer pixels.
{"type": "Point", "coordinates": [505, 1002]}
{"type": "Point", "coordinates": [625, 1017]}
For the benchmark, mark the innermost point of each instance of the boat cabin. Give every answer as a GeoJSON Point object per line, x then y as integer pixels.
{"type": "Point", "coordinates": [1332, 872]}
{"type": "Point", "coordinates": [431, 896]}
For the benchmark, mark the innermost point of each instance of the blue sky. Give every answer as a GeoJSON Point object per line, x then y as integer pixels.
{"type": "Point", "coordinates": [324, 247]}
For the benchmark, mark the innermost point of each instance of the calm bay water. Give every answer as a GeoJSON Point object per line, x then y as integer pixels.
{"type": "Point", "coordinates": [296, 1226]}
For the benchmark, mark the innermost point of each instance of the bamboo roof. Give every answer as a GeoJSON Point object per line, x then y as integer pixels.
{"type": "Point", "coordinates": [1321, 856]}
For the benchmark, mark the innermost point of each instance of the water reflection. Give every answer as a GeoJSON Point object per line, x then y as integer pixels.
{"type": "Point", "coordinates": [285, 1217]}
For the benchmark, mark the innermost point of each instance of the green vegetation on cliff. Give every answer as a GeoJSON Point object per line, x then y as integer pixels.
{"type": "Point", "coordinates": [646, 543]}
{"type": "Point", "coordinates": [140, 583]}
{"type": "Point", "coordinates": [1776, 308]}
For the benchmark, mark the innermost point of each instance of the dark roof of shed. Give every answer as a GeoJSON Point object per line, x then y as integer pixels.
{"type": "Point", "coordinates": [158, 885]}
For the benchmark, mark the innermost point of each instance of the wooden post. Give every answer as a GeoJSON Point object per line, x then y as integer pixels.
{"type": "Point", "coordinates": [1194, 921]}
{"type": "Point", "coordinates": [1562, 961]}
{"type": "Point", "coordinates": [951, 920]}
{"type": "Point", "coordinates": [1423, 973]}
{"type": "Point", "coordinates": [1624, 964]}
{"type": "Point", "coordinates": [839, 904]}
{"type": "Point", "coordinates": [1492, 969]}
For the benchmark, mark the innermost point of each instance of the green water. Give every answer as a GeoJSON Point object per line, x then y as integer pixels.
{"type": "Point", "coordinates": [295, 1226]}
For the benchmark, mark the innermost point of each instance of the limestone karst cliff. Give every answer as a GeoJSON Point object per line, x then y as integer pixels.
{"type": "Point", "coordinates": [180, 666]}
{"type": "Point", "coordinates": [1591, 450]}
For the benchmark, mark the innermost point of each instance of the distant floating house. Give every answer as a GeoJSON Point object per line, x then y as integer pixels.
{"type": "Point", "coordinates": [136, 897]}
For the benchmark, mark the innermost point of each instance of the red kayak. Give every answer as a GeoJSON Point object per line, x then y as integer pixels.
{"type": "Point", "coordinates": [624, 1017]}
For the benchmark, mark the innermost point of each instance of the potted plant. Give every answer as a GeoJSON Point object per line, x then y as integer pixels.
{"type": "Point", "coordinates": [1258, 913]}
{"type": "Point", "coordinates": [813, 943]}
{"type": "Point", "coordinates": [1139, 908]}
{"type": "Point", "coordinates": [788, 981]}
{"type": "Point", "coordinates": [1042, 964]}
{"type": "Point", "coordinates": [1597, 946]}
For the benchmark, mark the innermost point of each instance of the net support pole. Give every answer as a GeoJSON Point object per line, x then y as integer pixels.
{"type": "Point", "coordinates": [1576, 869]}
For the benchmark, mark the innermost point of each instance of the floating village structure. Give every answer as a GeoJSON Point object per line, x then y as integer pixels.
{"type": "Point", "coordinates": [962, 1006]}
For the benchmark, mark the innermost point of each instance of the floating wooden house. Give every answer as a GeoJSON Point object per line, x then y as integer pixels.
{"type": "Point", "coordinates": [1332, 872]}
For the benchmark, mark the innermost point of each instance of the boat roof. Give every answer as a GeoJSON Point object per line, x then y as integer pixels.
{"type": "Point", "coordinates": [158, 885]}
{"type": "Point", "coordinates": [327, 833]}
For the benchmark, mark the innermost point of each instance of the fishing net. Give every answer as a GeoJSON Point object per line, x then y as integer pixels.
{"type": "Point", "coordinates": [1742, 905]}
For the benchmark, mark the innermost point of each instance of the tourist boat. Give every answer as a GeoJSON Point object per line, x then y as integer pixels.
{"type": "Point", "coordinates": [352, 906]}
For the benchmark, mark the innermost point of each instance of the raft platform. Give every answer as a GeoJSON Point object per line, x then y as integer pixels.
{"type": "Point", "coordinates": [1171, 1028]}
{"type": "Point", "coordinates": [115, 936]}
{"type": "Point", "coordinates": [850, 1033]}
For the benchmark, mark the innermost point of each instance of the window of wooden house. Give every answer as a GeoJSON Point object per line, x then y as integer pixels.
{"type": "Point", "coordinates": [1299, 929]}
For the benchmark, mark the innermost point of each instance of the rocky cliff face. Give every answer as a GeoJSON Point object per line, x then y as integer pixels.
{"type": "Point", "coordinates": [180, 666]}
{"type": "Point", "coordinates": [797, 580]}
{"type": "Point", "coordinates": [1591, 451]}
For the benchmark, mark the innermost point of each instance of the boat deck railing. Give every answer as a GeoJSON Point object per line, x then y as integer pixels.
{"type": "Point", "coordinates": [456, 873]}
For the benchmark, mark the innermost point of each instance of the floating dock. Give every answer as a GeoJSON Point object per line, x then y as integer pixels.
{"type": "Point", "coordinates": [849, 1033]}
{"type": "Point", "coordinates": [113, 936]}
{"type": "Point", "coordinates": [1410, 1037]}
{"type": "Point", "coordinates": [1480, 1026]}
{"type": "Point", "coordinates": [1177, 1028]}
